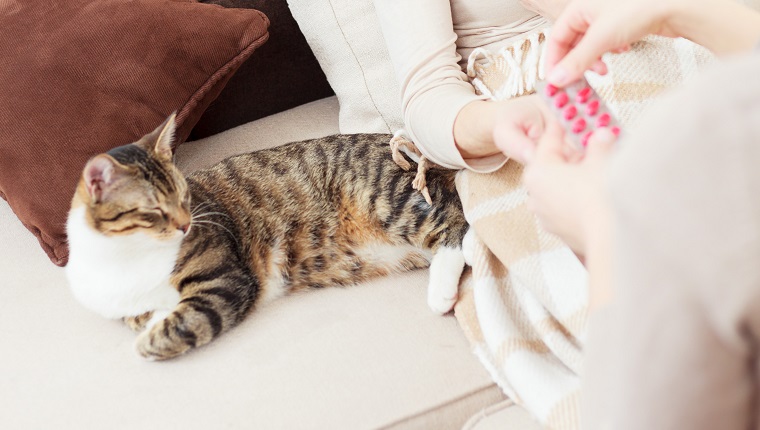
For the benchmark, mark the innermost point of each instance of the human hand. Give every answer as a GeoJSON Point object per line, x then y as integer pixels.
{"type": "Point", "coordinates": [550, 9]}
{"type": "Point", "coordinates": [568, 196]}
{"type": "Point", "coordinates": [485, 128]}
{"type": "Point", "coordinates": [589, 28]}
{"type": "Point", "coordinates": [586, 29]}
{"type": "Point", "coordinates": [520, 124]}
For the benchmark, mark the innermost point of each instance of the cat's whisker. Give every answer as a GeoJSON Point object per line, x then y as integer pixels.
{"type": "Point", "coordinates": [200, 207]}
{"type": "Point", "coordinates": [200, 225]}
{"type": "Point", "coordinates": [209, 214]}
{"type": "Point", "coordinates": [208, 222]}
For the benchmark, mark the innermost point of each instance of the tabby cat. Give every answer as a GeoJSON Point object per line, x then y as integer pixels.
{"type": "Point", "coordinates": [185, 259]}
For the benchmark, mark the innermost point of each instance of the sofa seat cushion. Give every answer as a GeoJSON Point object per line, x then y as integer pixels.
{"type": "Point", "coordinates": [505, 415]}
{"type": "Point", "coordinates": [368, 356]}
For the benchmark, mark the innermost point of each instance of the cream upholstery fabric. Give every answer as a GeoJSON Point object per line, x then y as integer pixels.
{"type": "Point", "coordinates": [504, 415]}
{"type": "Point", "coordinates": [345, 37]}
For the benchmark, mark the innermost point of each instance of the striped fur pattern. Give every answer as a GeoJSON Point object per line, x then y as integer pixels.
{"type": "Point", "coordinates": [326, 212]}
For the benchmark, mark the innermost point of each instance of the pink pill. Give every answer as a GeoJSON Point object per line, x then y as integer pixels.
{"type": "Point", "coordinates": [551, 90]}
{"type": "Point", "coordinates": [615, 131]}
{"type": "Point", "coordinates": [585, 138]}
{"type": "Point", "coordinates": [603, 120]}
{"type": "Point", "coordinates": [561, 100]}
{"type": "Point", "coordinates": [579, 125]}
{"type": "Point", "coordinates": [592, 108]}
{"type": "Point", "coordinates": [583, 95]}
{"type": "Point", "coordinates": [570, 113]}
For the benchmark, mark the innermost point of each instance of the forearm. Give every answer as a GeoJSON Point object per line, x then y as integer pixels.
{"type": "Point", "coordinates": [473, 130]}
{"type": "Point", "coordinates": [422, 46]}
{"type": "Point", "coordinates": [724, 27]}
{"type": "Point", "coordinates": [486, 132]}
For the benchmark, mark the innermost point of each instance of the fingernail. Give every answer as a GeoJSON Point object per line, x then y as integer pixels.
{"type": "Point", "coordinates": [557, 77]}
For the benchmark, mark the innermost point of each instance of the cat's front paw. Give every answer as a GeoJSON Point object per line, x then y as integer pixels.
{"type": "Point", "coordinates": [159, 343]}
{"type": "Point", "coordinates": [443, 286]}
{"type": "Point", "coordinates": [441, 305]}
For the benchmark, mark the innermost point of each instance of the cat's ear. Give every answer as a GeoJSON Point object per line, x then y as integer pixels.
{"type": "Point", "coordinates": [100, 173]}
{"type": "Point", "coordinates": [159, 141]}
{"type": "Point", "coordinates": [165, 138]}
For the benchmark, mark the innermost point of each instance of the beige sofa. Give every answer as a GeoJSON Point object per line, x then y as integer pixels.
{"type": "Point", "coordinates": [366, 357]}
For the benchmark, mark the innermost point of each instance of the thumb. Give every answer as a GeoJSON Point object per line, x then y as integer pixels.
{"type": "Point", "coordinates": [513, 141]}
{"type": "Point", "coordinates": [600, 143]}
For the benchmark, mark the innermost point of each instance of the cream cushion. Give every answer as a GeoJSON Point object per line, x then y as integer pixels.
{"type": "Point", "coordinates": [346, 38]}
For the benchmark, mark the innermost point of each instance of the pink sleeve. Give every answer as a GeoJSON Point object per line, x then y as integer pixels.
{"type": "Point", "coordinates": [422, 46]}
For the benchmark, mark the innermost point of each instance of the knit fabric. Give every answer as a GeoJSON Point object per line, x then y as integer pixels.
{"type": "Point", "coordinates": [510, 72]}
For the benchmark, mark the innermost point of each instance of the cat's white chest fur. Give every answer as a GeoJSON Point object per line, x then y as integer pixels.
{"type": "Point", "coordinates": [123, 275]}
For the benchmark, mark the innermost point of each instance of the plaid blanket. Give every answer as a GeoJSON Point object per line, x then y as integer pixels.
{"type": "Point", "coordinates": [524, 305]}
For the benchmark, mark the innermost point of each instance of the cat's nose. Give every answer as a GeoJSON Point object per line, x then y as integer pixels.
{"type": "Point", "coordinates": [184, 228]}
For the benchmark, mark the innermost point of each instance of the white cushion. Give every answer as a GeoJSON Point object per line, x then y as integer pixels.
{"type": "Point", "coordinates": [346, 38]}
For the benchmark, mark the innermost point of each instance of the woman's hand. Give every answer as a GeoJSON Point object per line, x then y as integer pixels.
{"type": "Point", "coordinates": [485, 128]}
{"type": "Point", "coordinates": [586, 29]}
{"type": "Point", "coordinates": [569, 196]}
{"type": "Point", "coordinates": [589, 28]}
{"type": "Point", "coordinates": [549, 9]}
{"type": "Point", "coordinates": [570, 200]}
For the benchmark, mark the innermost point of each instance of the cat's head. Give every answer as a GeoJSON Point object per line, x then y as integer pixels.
{"type": "Point", "coordinates": [136, 188]}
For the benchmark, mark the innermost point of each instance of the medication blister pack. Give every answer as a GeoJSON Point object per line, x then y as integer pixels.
{"type": "Point", "coordinates": [579, 109]}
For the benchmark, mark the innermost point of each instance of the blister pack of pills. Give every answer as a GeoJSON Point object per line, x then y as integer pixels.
{"type": "Point", "coordinates": [579, 109]}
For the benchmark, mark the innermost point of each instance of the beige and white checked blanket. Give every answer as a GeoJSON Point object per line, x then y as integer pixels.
{"type": "Point", "coordinates": [524, 306]}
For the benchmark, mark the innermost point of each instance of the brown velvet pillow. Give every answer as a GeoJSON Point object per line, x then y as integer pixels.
{"type": "Point", "coordinates": [82, 76]}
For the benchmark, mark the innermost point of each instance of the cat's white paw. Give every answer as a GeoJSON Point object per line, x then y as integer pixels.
{"type": "Point", "coordinates": [445, 271]}
{"type": "Point", "coordinates": [468, 246]}
{"type": "Point", "coordinates": [441, 305]}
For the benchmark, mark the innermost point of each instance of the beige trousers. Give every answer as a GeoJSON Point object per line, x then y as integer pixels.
{"type": "Point", "coordinates": [678, 346]}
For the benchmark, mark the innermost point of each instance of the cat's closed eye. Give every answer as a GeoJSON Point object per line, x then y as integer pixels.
{"type": "Point", "coordinates": [152, 217]}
